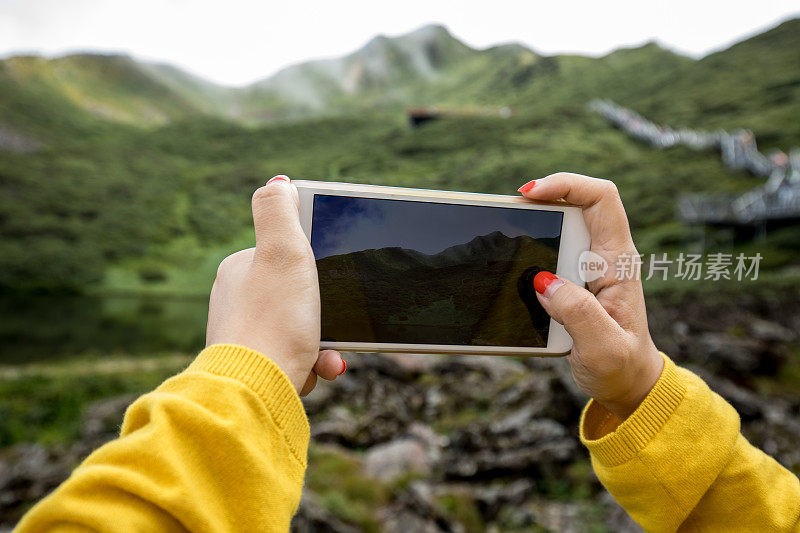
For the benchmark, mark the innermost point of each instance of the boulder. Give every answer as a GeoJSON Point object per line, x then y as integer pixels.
{"type": "Point", "coordinates": [515, 445]}
{"type": "Point", "coordinates": [418, 452]}
{"type": "Point", "coordinates": [729, 354]}
{"type": "Point", "coordinates": [392, 459]}
{"type": "Point", "coordinates": [414, 509]}
{"type": "Point", "coordinates": [28, 472]}
{"type": "Point", "coordinates": [769, 331]}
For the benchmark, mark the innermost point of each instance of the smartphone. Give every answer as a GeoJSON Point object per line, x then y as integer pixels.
{"type": "Point", "coordinates": [422, 271]}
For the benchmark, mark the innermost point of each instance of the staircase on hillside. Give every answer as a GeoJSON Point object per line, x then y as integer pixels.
{"type": "Point", "coordinates": [778, 199]}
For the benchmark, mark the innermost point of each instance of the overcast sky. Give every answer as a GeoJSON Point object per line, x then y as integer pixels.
{"type": "Point", "coordinates": [237, 41]}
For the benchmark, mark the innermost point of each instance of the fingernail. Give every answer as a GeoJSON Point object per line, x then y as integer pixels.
{"type": "Point", "coordinates": [546, 283]}
{"type": "Point", "coordinates": [344, 367]}
{"type": "Point", "coordinates": [527, 187]}
{"type": "Point", "coordinates": [279, 177]}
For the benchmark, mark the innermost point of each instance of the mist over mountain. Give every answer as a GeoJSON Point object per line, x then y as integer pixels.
{"type": "Point", "coordinates": [427, 66]}
{"type": "Point", "coordinates": [385, 70]}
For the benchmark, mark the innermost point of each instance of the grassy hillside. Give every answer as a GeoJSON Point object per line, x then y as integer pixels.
{"type": "Point", "coordinates": [383, 72]}
{"type": "Point", "coordinates": [113, 87]}
{"type": "Point", "coordinates": [104, 205]}
{"type": "Point", "coordinates": [754, 84]}
{"type": "Point", "coordinates": [155, 211]}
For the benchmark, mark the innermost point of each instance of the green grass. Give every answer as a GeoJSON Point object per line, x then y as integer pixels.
{"type": "Point", "coordinates": [787, 382]}
{"type": "Point", "coordinates": [160, 222]}
{"type": "Point", "coordinates": [46, 406]}
{"type": "Point", "coordinates": [774, 286]}
{"type": "Point", "coordinates": [344, 490]}
{"type": "Point", "coordinates": [576, 484]}
{"type": "Point", "coordinates": [461, 507]}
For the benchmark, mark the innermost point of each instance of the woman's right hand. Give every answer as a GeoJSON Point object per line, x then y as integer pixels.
{"type": "Point", "coordinates": [613, 357]}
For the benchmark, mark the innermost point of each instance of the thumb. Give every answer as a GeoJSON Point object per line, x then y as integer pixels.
{"type": "Point", "coordinates": [276, 213]}
{"type": "Point", "coordinates": [576, 308]}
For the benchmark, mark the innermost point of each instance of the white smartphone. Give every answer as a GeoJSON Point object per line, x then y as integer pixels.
{"type": "Point", "coordinates": [422, 271]}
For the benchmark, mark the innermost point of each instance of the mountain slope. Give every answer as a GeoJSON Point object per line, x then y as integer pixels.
{"type": "Point", "coordinates": [112, 87]}
{"type": "Point", "coordinates": [431, 67]}
{"type": "Point", "coordinates": [385, 70]}
{"type": "Point", "coordinates": [201, 94]}
{"type": "Point", "coordinates": [88, 201]}
{"type": "Point", "coordinates": [753, 84]}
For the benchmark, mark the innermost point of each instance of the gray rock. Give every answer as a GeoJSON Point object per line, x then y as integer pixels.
{"type": "Point", "coordinates": [494, 368]}
{"type": "Point", "coordinates": [339, 426]}
{"type": "Point", "coordinates": [102, 419]}
{"type": "Point", "coordinates": [388, 461]}
{"type": "Point", "coordinates": [769, 331]}
{"type": "Point", "coordinates": [513, 445]}
{"type": "Point", "coordinates": [564, 517]}
{"type": "Point", "coordinates": [28, 472]}
{"type": "Point", "coordinates": [493, 497]}
{"type": "Point", "coordinates": [734, 354]}
{"type": "Point", "coordinates": [418, 452]}
{"type": "Point", "coordinates": [414, 509]}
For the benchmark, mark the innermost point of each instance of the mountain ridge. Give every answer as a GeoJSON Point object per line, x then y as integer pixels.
{"type": "Point", "coordinates": [427, 66]}
{"type": "Point", "coordinates": [452, 254]}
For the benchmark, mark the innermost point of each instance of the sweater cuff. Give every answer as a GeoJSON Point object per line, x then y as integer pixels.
{"type": "Point", "coordinates": [613, 442]}
{"type": "Point", "coordinates": [266, 379]}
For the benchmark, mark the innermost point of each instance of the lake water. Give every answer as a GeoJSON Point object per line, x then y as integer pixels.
{"type": "Point", "coordinates": [39, 328]}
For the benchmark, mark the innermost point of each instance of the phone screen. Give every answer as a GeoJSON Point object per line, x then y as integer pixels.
{"type": "Point", "coordinates": [399, 271]}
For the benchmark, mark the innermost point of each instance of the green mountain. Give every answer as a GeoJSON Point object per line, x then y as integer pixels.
{"type": "Point", "coordinates": [116, 175]}
{"type": "Point", "coordinates": [429, 66]}
{"type": "Point", "coordinates": [115, 87]}
{"type": "Point", "coordinates": [754, 84]}
{"type": "Point", "coordinates": [111, 87]}
{"type": "Point", "coordinates": [200, 94]}
{"type": "Point", "coordinates": [425, 67]}
{"type": "Point", "coordinates": [385, 71]}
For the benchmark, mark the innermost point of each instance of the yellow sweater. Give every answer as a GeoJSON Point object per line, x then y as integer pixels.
{"type": "Point", "coordinates": [222, 447]}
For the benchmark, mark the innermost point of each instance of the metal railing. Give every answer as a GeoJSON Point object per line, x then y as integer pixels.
{"type": "Point", "coordinates": [778, 198]}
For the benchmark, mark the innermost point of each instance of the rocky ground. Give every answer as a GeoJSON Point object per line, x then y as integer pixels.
{"type": "Point", "coordinates": [431, 443]}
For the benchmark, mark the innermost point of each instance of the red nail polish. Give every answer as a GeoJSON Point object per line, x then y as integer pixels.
{"type": "Point", "coordinates": [527, 187]}
{"type": "Point", "coordinates": [542, 280]}
{"type": "Point", "coordinates": [344, 368]}
{"type": "Point", "coordinates": [279, 177]}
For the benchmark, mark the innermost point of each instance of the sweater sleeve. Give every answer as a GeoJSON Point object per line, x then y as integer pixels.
{"type": "Point", "coordinates": [220, 447]}
{"type": "Point", "coordinates": [679, 462]}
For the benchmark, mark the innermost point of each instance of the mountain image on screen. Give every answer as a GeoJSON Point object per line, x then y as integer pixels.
{"type": "Point", "coordinates": [476, 293]}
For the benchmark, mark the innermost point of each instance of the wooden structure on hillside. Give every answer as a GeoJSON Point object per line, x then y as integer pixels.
{"type": "Point", "coordinates": [421, 114]}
